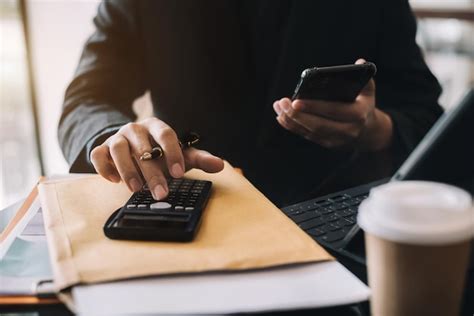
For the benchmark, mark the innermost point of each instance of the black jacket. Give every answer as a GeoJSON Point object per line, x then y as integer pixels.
{"type": "Point", "coordinates": [216, 66]}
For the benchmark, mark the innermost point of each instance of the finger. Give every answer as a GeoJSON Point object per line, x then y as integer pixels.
{"type": "Point", "coordinates": [154, 173]}
{"type": "Point", "coordinates": [168, 140]}
{"type": "Point", "coordinates": [286, 122]}
{"type": "Point", "coordinates": [121, 155]}
{"type": "Point", "coordinates": [321, 134]}
{"type": "Point", "coordinates": [203, 160]}
{"type": "Point", "coordinates": [155, 179]}
{"type": "Point", "coordinates": [139, 142]}
{"type": "Point", "coordinates": [276, 107]}
{"type": "Point", "coordinates": [137, 137]}
{"type": "Point", "coordinates": [285, 105]}
{"type": "Point", "coordinates": [337, 111]}
{"type": "Point", "coordinates": [368, 90]}
{"type": "Point", "coordinates": [311, 136]}
{"type": "Point", "coordinates": [326, 128]}
{"type": "Point", "coordinates": [103, 164]}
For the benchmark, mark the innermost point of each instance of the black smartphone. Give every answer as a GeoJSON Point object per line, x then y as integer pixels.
{"type": "Point", "coordinates": [336, 83]}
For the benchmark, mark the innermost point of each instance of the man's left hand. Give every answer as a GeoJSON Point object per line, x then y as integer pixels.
{"type": "Point", "coordinates": [357, 125]}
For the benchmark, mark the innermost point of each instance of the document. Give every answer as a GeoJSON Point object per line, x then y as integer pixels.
{"type": "Point", "coordinates": [240, 230]}
{"type": "Point", "coordinates": [25, 259]}
{"type": "Point", "coordinates": [312, 285]}
{"type": "Point", "coordinates": [15, 218]}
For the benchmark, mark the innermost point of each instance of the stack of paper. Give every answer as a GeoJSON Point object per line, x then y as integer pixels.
{"type": "Point", "coordinates": [307, 286]}
{"type": "Point", "coordinates": [250, 257]}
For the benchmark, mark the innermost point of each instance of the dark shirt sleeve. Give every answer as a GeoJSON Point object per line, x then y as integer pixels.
{"type": "Point", "coordinates": [406, 89]}
{"type": "Point", "coordinates": [108, 79]}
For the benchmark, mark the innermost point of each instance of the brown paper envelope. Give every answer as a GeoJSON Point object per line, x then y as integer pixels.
{"type": "Point", "coordinates": [241, 229]}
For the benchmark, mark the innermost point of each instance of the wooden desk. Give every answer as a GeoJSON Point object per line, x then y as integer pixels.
{"type": "Point", "coordinates": [27, 300]}
{"type": "Point", "coordinates": [23, 304]}
{"type": "Point", "coordinates": [445, 13]}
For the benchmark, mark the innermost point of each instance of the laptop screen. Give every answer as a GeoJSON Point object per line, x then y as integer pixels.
{"type": "Point", "coordinates": [446, 153]}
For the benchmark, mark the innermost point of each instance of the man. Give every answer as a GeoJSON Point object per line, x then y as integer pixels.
{"type": "Point", "coordinates": [225, 69]}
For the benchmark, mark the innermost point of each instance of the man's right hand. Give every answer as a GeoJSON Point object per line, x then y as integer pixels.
{"type": "Point", "coordinates": [116, 159]}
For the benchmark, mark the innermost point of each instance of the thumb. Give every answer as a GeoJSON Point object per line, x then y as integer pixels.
{"type": "Point", "coordinates": [369, 88]}
{"type": "Point", "coordinates": [200, 159]}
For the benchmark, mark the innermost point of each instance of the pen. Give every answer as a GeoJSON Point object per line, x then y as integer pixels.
{"type": "Point", "coordinates": [156, 152]}
{"type": "Point", "coordinates": [187, 140]}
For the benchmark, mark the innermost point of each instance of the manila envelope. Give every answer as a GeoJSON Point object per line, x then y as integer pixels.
{"type": "Point", "coordinates": [241, 229]}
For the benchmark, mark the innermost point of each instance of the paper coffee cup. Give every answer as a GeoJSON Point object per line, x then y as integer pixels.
{"type": "Point", "coordinates": [417, 243]}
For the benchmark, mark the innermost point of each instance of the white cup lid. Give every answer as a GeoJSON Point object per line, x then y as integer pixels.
{"type": "Point", "coordinates": [418, 212]}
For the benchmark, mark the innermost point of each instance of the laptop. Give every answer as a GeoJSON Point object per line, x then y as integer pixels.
{"type": "Point", "coordinates": [445, 154]}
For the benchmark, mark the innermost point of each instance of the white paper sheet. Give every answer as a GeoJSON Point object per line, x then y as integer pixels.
{"type": "Point", "coordinates": [313, 285]}
{"type": "Point", "coordinates": [26, 260]}
{"type": "Point", "coordinates": [20, 226]}
{"type": "Point", "coordinates": [35, 228]}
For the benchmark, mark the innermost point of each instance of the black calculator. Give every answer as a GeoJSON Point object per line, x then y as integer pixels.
{"type": "Point", "coordinates": [175, 218]}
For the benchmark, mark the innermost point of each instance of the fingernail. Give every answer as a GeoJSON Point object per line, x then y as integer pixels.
{"type": "Point", "coordinates": [159, 192]}
{"type": "Point", "coordinates": [277, 108]}
{"type": "Point", "coordinates": [177, 170]}
{"type": "Point", "coordinates": [114, 178]}
{"type": "Point", "coordinates": [134, 185]}
{"type": "Point", "coordinates": [285, 106]}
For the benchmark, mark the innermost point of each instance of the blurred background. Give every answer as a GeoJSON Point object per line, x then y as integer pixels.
{"type": "Point", "coordinates": [40, 45]}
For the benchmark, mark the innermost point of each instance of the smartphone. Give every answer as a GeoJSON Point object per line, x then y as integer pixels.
{"type": "Point", "coordinates": [336, 83]}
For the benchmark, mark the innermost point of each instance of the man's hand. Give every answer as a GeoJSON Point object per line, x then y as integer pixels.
{"type": "Point", "coordinates": [118, 157]}
{"type": "Point", "coordinates": [359, 125]}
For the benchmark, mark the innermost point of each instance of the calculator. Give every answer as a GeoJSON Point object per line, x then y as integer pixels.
{"type": "Point", "coordinates": [176, 218]}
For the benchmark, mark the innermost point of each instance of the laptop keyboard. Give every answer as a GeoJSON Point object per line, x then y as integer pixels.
{"type": "Point", "coordinates": [327, 219]}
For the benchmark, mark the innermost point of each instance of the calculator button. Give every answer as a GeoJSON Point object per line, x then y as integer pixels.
{"type": "Point", "coordinates": [141, 205]}
{"type": "Point", "coordinates": [160, 206]}
{"type": "Point", "coordinates": [189, 208]}
{"type": "Point", "coordinates": [179, 208]}
{"type": "Point", "coordinates": [131, 205]}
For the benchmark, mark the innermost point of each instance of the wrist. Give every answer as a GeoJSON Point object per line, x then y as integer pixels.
{"type": "Point", "coordinates": [379, 135]}
{"type": "Point", "coordinates": [98, 139]}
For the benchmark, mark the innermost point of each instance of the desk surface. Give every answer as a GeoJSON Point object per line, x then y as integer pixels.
{"type": "Point", "coordinates": [27, 300]}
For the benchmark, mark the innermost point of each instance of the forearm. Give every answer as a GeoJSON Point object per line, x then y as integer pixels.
{"type": "Point", "coordinates": [406, 89]}
{"type": "Point", "coordinates": [410, 126]}
{"type": "Point", "coordinates": [379, 134]}
{"type": "Point", "coordinates": [108, 79]}
{"type": "Point", "coordinates": [79, 129]}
